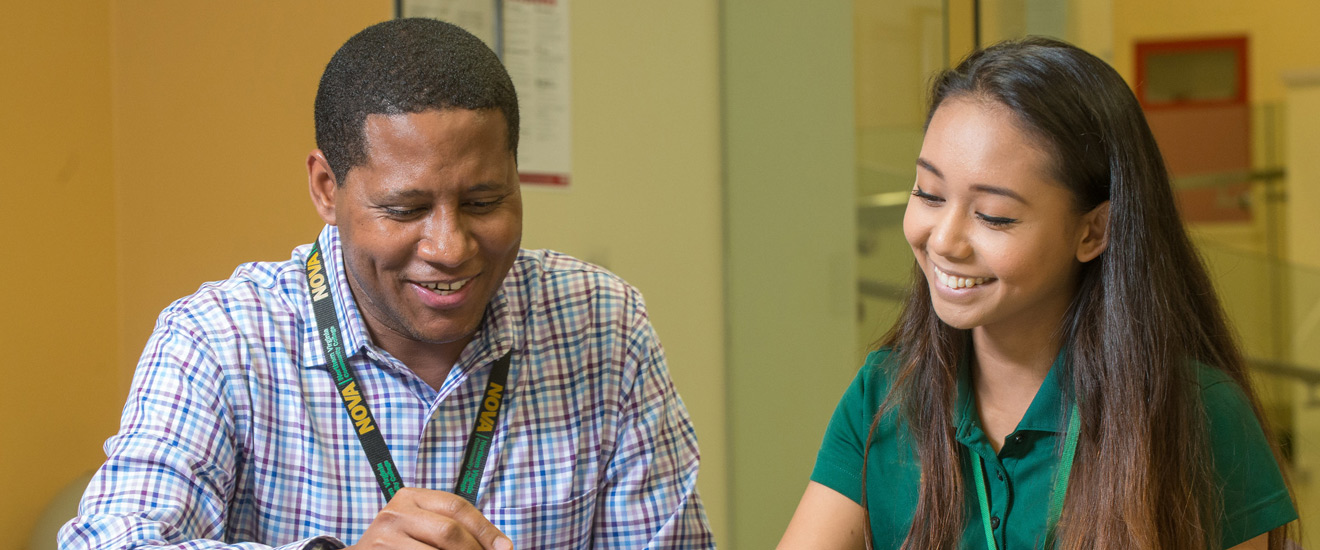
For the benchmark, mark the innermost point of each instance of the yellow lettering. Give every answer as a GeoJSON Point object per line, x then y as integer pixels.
{"type": "Point", "coordinates": [351, 396]}
{"type": "Point", "coordinates": [362, 419]}
{"type": "Point", "coordinates": [486, 421]}
{"type": "Point", "coordinates": [353, 402]}
{"type": "Point", "coordinates": [315, 278]}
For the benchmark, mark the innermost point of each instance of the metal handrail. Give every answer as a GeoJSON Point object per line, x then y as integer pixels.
{"type": "Point", "coordinates": [1226, 179]}
{"type": "Point", "coordinates": [1308, 376]}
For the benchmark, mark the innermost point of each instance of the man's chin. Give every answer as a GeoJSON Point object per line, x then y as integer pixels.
{"type": "Point", "coordinates": [435, 339]}
{"type": "Point", "coordinates": [444, 336]}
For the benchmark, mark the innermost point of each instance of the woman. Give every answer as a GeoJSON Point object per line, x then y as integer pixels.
{"type": "Point", "coordinates": [1058, 311]}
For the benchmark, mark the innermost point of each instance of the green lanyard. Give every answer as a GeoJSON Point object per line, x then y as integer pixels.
{"type": "Point", "coordinates": [355, 403]}
{"type": "Point", "coordinates": [1056, 495]}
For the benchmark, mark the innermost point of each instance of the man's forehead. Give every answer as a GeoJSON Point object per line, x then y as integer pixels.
{"type": "Point", "coordinates": [490, 115]}
{"type": "Point", "coordinates": [432, 124]}
{"type": "Point", "coordinates": [406, 155]}
{"type": "Point", "coordinates": [402, 190]}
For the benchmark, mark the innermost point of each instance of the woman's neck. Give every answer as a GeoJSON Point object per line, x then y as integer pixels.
{"type": "Point", "coordinates": [1008, 367]}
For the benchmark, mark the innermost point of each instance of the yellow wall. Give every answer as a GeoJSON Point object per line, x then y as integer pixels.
{"type": "Point", "coordinates": [646, 200]}
{"type": "Point", "coordinates": [213, 121]}
{"type": "Point", "coordinates": [1282, 34]}
{"type": "Point", "coordinates": [57, 230]}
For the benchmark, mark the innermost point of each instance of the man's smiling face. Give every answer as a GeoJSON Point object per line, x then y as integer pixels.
{"type": "Point", "coordinates": [430, 224]}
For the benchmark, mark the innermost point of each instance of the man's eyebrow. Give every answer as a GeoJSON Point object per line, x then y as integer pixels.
{"type": "Point", "coordinates": [1001, 191]}
{"type": "Point", "coordinates": [403, 195]}
{"type": "Point", "coordinates": [486, 186]}
{"type": "Point", "coordinates": [923, 163]}
{"type": "Point", "coordinates": [407, 194]}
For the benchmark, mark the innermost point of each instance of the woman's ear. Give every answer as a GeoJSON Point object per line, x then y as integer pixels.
{"type": "Point", "coordinates": [322, 185]}
{"type": "Point", "coordinates": [1095, 233]}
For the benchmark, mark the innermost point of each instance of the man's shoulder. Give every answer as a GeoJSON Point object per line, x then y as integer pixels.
{"type": "Point", "coordinates": [262, 288]}
{"type": "Point", "coordinates": [553, 262]}
{"type": "Point", "coordinates": [551, 293]}
{"type": "Point", "coordinates": [548, 271]}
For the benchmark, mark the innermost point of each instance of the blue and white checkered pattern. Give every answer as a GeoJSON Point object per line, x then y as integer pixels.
{"type": "Point", "coordinates": [234, 435]}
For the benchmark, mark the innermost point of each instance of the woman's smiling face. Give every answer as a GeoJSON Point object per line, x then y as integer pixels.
{"type": "Point", "coordinates": [1001, 242]}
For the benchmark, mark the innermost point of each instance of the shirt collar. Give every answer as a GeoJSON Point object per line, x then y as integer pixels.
{"type": "Point", "coordinates": [351, 327]}
{"type": "Point", "coordinates": [495, 336]}
{"type": "Point", "coordinates": [1046, 412]}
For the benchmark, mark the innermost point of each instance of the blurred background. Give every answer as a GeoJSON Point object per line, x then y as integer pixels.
{"type": "Point", "coordinates": [745, 163]}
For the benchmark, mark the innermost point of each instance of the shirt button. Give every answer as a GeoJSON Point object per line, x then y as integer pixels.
{"type": "Point", "coordinates": [999, 475]}
{"type": "Point", "coordinates": [994, 522]}
{"type": "Point", "coordinates": [1017, 438]}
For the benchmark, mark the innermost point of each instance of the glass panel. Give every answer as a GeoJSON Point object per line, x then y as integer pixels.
{"type": "Point", "coordinates": [1087, 23]}
{"type": "Point", "coordinates": [1206, 75]}
{"type": "Point", "coordinates": [899, 44]}
{"type": "Point", "coordinates": [1005, 19]}
{"type": "Point", "coordinates": [1008, 19]}
{"type": "Point", "coordinates": [1273, 304]}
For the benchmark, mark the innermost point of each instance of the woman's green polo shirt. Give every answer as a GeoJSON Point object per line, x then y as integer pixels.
{"type": "Point", "coordinates": [1020, 477]}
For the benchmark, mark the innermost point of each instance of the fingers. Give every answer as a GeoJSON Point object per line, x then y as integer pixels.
{"type": "Point", "coordinates": [426, 519]}
{"type": "Point", "coordinates": [466, 515]}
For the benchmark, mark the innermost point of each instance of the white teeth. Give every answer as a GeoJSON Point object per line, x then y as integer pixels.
{"type": "Point", "coordinates": [959, 282]}
{"type": "Point", "coordinates": [445, 289]}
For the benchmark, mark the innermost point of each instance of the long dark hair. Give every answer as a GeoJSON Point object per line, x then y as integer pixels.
{"type": "Point", "coordinates": [1144, 311]}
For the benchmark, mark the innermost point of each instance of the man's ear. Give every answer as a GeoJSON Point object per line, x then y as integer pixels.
{"type": "Point", "coordinates": [1095, 233]}
{"type": "Point", "coordinates": [322, 185]}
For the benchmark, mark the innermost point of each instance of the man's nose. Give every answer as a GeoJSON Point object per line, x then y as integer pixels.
{"type": "Point", "coordinates": [446, 239]}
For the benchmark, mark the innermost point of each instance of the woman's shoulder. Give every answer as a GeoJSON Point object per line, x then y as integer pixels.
{"type": "Point", "coordinates": [1220, 392]}
{"type": "Point", "coordinates": [867, 392]}
{"type": "Point", "coordinates": [1229, 413]}
{"type": "Point", "coordinates": [876, 375]}
{"type": "Point", "coordinates": [1255, 496]}
{"type": "Point", "coordinates": [879, 360]}
{"type": "Point", "coordinates": [853, 427]}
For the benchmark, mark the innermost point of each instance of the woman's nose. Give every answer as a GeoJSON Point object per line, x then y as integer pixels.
{"type": "Point", "coordinates": [948, 236]}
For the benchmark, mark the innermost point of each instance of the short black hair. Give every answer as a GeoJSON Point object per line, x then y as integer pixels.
{"type": "Point", "coordinates": [406, 66]}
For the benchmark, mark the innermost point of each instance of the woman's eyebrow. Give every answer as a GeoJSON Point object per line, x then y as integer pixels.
{"type": "Point", "coordinates": [1001, 191]}
{"type": "Point", "coordinates": [923, 163]}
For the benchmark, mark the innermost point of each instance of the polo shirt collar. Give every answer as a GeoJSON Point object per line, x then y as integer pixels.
{"type": "Point", "coordinates": [1045, 414]}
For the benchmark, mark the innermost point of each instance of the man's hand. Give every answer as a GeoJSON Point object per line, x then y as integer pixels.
{"type": "Point", "coordinates": [423, 519]}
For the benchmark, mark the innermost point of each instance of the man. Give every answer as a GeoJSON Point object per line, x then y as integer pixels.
{"type": "Point", "coordinates": [520, 396]}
